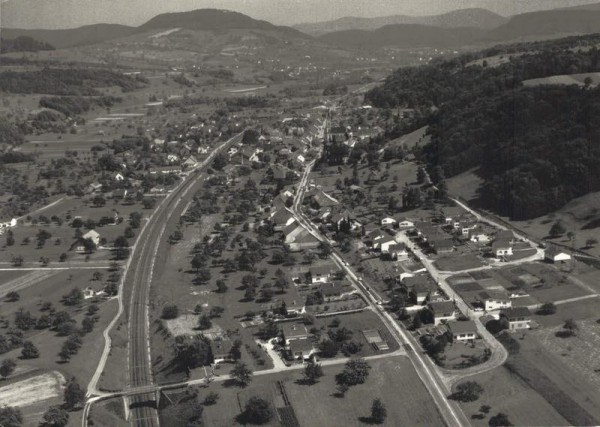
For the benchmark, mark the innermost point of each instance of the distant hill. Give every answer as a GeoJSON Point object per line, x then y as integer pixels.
{"type": "Point", "coordinates": [478, 18]}
{"type": "Point", "coordinates": [544, 23]}
{"type": "Point", "coordinates": [403, 36]}
{"type": "Point", "coordinates": [201, 19]}
{"type": "Point", "coordinates": [592, 6]}
{"type": "Point", "coordinates": [71, 37]}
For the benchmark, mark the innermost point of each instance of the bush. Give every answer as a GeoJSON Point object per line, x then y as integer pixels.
{"type": "Point", "coordinates": [468, 391]}
{"type": "Point", "coordinates": [170, 312]}
{"type": "Point", "coordinates": [547, 309]}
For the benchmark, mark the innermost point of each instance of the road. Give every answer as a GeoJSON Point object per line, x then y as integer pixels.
{"type": "Point", "coordinates": [436, 387]}
{"type": "Point", "coordinates": [136, 282]}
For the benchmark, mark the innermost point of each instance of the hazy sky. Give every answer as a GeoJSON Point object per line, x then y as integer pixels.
{"type": "Point", "coordinates": [74, 13]}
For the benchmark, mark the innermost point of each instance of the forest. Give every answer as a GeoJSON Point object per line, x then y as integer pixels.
{"type": "Point", "coordinates": [68, 81]}
{"type": "Point", "coordinates": [23, 44]}
{"type": "Point", "coordinates": [535, 147]}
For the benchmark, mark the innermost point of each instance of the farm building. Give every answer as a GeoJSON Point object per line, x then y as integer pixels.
{"type": "Point", "coordinates": [555, 254]}
{"type": "Point", "coordinates": [517, 318]}
{"type": "Point", "coordinates": [442, 311]}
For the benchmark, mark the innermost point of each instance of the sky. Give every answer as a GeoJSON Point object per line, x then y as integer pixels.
{"type": "Point", "coordinates": [53, 14]}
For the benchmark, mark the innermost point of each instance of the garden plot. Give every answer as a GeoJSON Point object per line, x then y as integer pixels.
{"type": "Point", "coordinates": [32, 390]}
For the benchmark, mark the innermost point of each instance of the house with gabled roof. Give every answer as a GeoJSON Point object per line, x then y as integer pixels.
{"type": "Point", "coordinates": [463, 330]}
{"type": "Point", "coordinates": [282, 218]}
{"type": "Point", "coordinates": [442, 311]}
{"type": "Point", "coordinates": [516, 317]}
{"type": "Point", "coordinates": [555, 254]}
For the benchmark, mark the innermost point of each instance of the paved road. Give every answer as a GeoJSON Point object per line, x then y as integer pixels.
{"type": "Point", "coordinates": [138, 277]}
{"type": "Point", "coordinates": [437, 388]}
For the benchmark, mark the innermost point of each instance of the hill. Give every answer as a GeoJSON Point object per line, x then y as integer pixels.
{"type": "Point", "coordinates": [197, 20]}
{"type": "Point", "coordinates": [547, 23]}
{"type": "Point", "coordinates": [533, 158]}
{"type": "Point", "coordinates": [478, 18]}
{"type": "Point", "coordinates": [404, 36]}
{"type": "Point", "coordinates": [82, 36]}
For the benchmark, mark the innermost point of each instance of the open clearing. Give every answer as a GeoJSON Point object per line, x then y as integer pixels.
{"type": "Point", "coordinates": [32, 390]}
{"type": "Point", "coordinates": [571, 79]}
{"type": "Point", "coordinates": [393, 380]}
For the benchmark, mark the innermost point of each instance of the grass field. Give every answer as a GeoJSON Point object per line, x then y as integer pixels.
{"type": "Point", "coordinates": [392, 380]}
{"type": "Point", "coordinates": [505, 392]}
{"type": "Point", "coordinates": [458, 262]}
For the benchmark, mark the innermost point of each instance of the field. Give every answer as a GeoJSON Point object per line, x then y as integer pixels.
{"type": "Point", "coordinates": [506, 392]}
{"type": "Point", "coordinates": [570, 393]}
{"type": "Point", "coordinates": [458, 263]}
{"type": "Point", "coordinates": [571, 79]}
{"type": "Point", "coordinates": [392, 380]}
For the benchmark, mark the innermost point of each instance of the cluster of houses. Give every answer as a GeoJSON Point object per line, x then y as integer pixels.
{"type": "Point", "coordinates": [6, 225]}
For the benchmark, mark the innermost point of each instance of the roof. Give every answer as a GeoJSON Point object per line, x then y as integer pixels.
{"type": "Point", "coordinates": [329, 289]}
{"type": "Point", "coordinates": [397, 247]}
{"type": "Point", "coordinates": [443, 244]}
{"type": "Point", "coordinates": [554, 250]}
{"type": "Point", "coordinates": [511, 313]}
{"type": "Point", "coordinates": [293, 330]}
{"type": "Point", "coordinates": [92, 234]}
{"type": "Point", "coordinates": [221, 347]}
{"type": "Point", "coordinates": [282, 216]}
{"type": "Point", "coordinates": [464, 327]}
{"type": "Point", "coordinates": [494, 295]}
{"type": "Point", "coordinates": [322, 269]}
{"type": "Point", "coordinates": [301, 345]}
{"type": "Point", "coordinates": [442, 307]}
{"type": "Point", "coordinates": [501, 244]}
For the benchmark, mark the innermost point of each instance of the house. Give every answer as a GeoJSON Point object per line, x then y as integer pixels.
{"type": "Point", "coordinates": [463, 331]}
{"type": "Point", "coordinates": [493, 300]}
{"type": "Point", "coordinates": [302, 349]}
{"type": "Point", "coordinates": [119, 177]}
{"type": "Point", "coordinates": [419, 287]}
{"type": "Point", "coordinates": [172, 158]}
{"type": "Point", "coordinates": [221, 350]}
{"type": "Point", "coordinates": [120, 193]}
{"type": "Point", "coordinates": [517, 318]}
{"type": "Point", "coordinates": [398, 251]}
{"type": "Point", "coordinates": [293, 331]}
{"type": "Point", "coordinates": [405, 223]}
{"type": "Point", "coordinates": [442, 311]}
{"type": "Point", "coordinates": [502, 248]}
{"type": "Point", "coordinates": [384, 244]}
{"type": "Point", "coordinates": [442, 246]}
{"type": "Point", "coordinates": [320, 273]}
{"type": "Point", "coordinates": [466, 227]}
{"type": "Point", "coordinates": [93, 235]}
{"type": "Point", "coordinates": [331, 292]}
{"type": "Point", "coordinates": [506, 235]}
{"type": "Point", "coordinates": [165, 169]}
{"type": "Point", "coordinates": [282, 218]}
{"type": "Point", "coordinates": [190, 162]}
{"type": "Point", "coordinates": [299, 238]}
{"type": "Point", "coordinates": [478, 236]}
{"type": "Point", "coordinates": [94, 187]}
{"type": "Point", "coordinates": [555, 254]}
{"type": "Point", "coordinates": [388, 221]}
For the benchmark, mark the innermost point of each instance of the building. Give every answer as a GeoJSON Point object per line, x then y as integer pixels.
{"type": "Point", "coordinates": [442, 311]}
{"type": "Point", "coordinates": [517, 318]}
{"type": "Point", "coordinates": [221, 350]}
{"type": "Point", "coordinates": [388, 221]}
{"type": "Point", "coordinates": [319, 274]}
{"type": "Point", "coordinates": [384, 244]}
{"type": "Point", "coordinates": [293, 331]}
{"type": "Point", "coordinates": [93, 235]}
{"type": "Point", "coordinates": [502, 248]}
{"type": "Point", "coordinates": [442, 246]}
{"type": "Point", "coordinates": [298, 238]}
{"type": "Point", "coordinates": [282, 218]}
{"type": "Point", "coordinates": [405, 223]}
{"type": "Point", "coordinates": [463, 331]}
{"type": "Point", "coordinates": [331, 292]}
{"type": "Point", "coordinates": [493, 300]}
{"type": "Point", "coordinates": [398, 251]}
{"type": "Point", "coordinates": [302, 349]}
{"type": "Point", "coordinates": [555, 254]}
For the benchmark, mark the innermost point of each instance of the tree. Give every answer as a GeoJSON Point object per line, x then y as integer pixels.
{"type": "Point", "coordinates": [17, 261]}
{"type": "Point", "coordinates": [221, 286]}
{"type": "Point", "coordinates": [204, 275]}
{"type": "Point", "coordinates": [257, 411]}
{"type": "Point", "coordinates": [7, 367]}
{"type": "Point", "coordinates": [355, 372]}
{"type": "Point", "coordinates": [74, 394]}
{"type": "Point", "coordinates": [10, 238]}
{"type": "Point", "coordinates": [191, 352]}
{"type": "Point", "coordinates": [55, 416]}
{"type": "Point", "coordinates": [590, 243]}
{"type": "Point", "coordinates": [557, 229]}
{"type": "Point", "coordinates": [467, 391]}
{"type": "Point", "coordinates": [198, 261]}
{"type": "Point", "coordinates": [378, 411]}
{"type": "Point", "coordinates": [98, 201]}
{"type": "Point", "coordinates": [29, 351]}
{"type": "Point", "coordinates": [329, 348]}
{"type": "Point", "coordinates": [74, 297]}
{"type": "Point", "coordinates": [312, 372]}
{"type": "Point", "coordinates": [170, 312]}
{"type": "Point", "coordinates": [547, 309]}
{"type": "Point", "coordinates": [499, 420]}
{"type": "Point", "coordinates": [241, 373]}
{"type": "Point", "coordinates": [570, 327]}
{"type": "Point", "coordinates": [13, 296]}
{"type": "Point", "coordinates": [204, 322]}
{"type": "Point", "coordinates": [10, 417]}
{"type": "Point", "coordinates": [24, 320]}
{"type": "Point", "coordinates": [219, 162]}
{"type": "Point", "coordinates": [211, 398]}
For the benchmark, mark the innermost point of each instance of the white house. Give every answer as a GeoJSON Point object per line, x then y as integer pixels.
{"type": "Point", "coordinates": [388, 221]}
{"type": "Point", "coordinates": [502, 248]}
{"type": "Point", "coordinates": [463, 331]}
{"type": "Point", "coordinates": [442, 311]}
{"type": "Point", "coordinates": [494, 300]}
{"type": "Point", "coordinates": [93, 235]}
{"type": "Point", "coordinates": [554, 254]}
{"type": "Point", "coordinates": [119, 177]}
{"type": "Point", "coordinates": [405, 223]}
